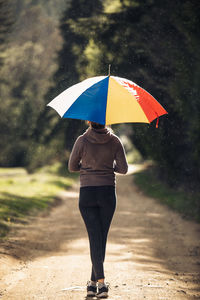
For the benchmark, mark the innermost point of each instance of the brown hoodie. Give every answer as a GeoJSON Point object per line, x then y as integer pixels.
{"type": "Point", "coordinates": [97, 154]}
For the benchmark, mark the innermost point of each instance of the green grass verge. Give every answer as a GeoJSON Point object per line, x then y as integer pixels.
{"type": "Point", "coordinates": [186, 203]}
{"type": "Point", "coordinates": [23, 194]}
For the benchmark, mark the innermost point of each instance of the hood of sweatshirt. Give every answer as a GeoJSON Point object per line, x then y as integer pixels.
{"type": "Point", "coordinates": [98, 136]}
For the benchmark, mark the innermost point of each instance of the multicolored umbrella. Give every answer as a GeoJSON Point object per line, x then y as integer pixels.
{"type": "Point", "coordinates": [107, 100]}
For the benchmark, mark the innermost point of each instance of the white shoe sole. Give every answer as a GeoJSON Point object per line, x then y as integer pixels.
{"type": "Point", "coordinates": [91, 294]}
{"type": "Point", "coordinates": [102, 295]}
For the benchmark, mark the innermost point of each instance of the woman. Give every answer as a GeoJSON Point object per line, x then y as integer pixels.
{"type": "Point", "coordinates": [97, 154]}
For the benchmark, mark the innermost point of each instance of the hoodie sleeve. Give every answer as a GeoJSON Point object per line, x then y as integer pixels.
{"type": "Point", "coordinates": [74, 163]}
{"type": "Point", "coordinates": [121, 165]}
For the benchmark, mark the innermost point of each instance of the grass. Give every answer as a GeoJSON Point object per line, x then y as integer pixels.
{"type": "Point", "coordinates": [23, 194]}
{"type": "Point", "coordinates": [186, 204]}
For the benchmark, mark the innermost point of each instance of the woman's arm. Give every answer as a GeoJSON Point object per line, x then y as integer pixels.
{"type": "Point", "coordinates": [74, 163]}
{"type": "Point", "coordinates": [121, 165]}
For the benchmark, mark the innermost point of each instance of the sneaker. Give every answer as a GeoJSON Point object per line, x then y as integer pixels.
{"type": "Point", "coordinates": [102, 291]}
{"type": "Point", "coordinates": [91, 289]}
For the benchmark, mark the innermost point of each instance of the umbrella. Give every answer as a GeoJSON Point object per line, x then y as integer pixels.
{"type": "Point", "coordinates": [107, 100]}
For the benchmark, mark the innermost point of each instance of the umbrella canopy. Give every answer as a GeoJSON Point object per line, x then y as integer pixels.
{"type": "Point", "coordinates": [107, 100]}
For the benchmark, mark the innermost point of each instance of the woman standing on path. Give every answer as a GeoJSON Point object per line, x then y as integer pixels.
{"type": "Point", "coordinates": [97, 154]}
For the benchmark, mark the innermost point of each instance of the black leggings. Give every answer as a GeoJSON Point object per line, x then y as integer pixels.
{"type": "Point", "coordinates": [97, 205]}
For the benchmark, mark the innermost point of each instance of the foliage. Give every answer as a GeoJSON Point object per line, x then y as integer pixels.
{"type": "Point", "coordinates": [153, 43]}
{"type": "Point", "coordinates": [156, 44]}
{"type": "Point", "coordinates": [6, 20]}
{"type": "Point", "coordinates": [70, 64]}
{"type": "Point", "coordinates": [177, 89]}
{"type": "Point", "coordinates": [183, 201]}
{"type": "Point", "coordinates": [26, 72]}
{"type": "Point", "coordinates": [22, 194]}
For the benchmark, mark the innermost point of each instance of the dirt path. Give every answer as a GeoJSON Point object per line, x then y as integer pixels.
{"type": "Point", "coordinates": [152, 252]}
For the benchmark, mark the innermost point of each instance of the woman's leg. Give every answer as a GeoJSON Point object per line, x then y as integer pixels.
{"type": "Point", "coordinates": [93, 276]}
{"type": "Point", "coordinates": [107, 203]}
{"type": "Point", "coordinates": [106, 200]}
{"type": "Point", "coordinates": [97, 206]}
{"type": "Point", "coordinates": [91, 216]}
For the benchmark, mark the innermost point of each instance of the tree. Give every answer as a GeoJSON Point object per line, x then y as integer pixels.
{"type": "Point", "coordinates": [71, 61]}
{"type": "Point", "coordinates": [156, 44]}
{"type": "Point", "coordinates": [6, 24]}
{"type": "Point", "coordinates": [26, 71]}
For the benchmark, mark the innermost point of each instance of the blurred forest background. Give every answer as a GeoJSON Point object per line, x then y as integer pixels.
{"type": "Point", "coordinates": [46, 46]}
